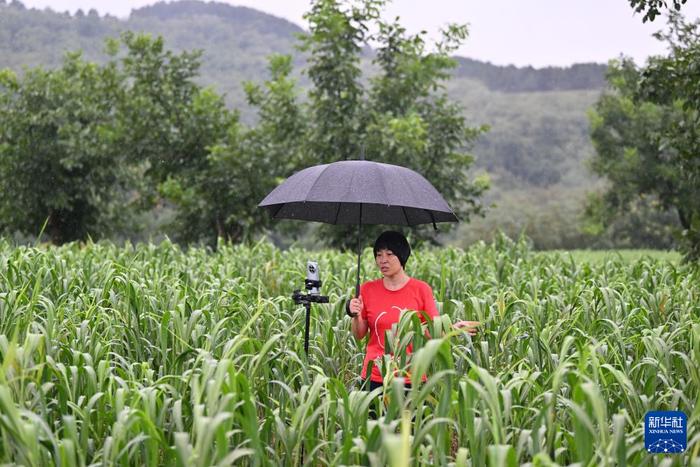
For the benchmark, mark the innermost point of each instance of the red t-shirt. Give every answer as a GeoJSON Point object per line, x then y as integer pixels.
{"type": "Point", "coordinates": [382, 308]}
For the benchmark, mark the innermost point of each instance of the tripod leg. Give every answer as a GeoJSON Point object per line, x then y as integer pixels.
{"type": "Point", "coordinates": [306, 331]}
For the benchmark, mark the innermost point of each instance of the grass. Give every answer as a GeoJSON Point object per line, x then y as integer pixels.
{"type": "Point", "coordinates": [624, 256]}
{"type": "Point", "coordinates": [154, 355]}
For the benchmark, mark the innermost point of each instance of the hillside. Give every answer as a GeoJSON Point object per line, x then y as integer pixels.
{"type": "Point", "coordinates": [235, 40]}
{"type": "Point", "coordinates": [580, 76]}
{"type": "Point", "coordinates": [538, 140]}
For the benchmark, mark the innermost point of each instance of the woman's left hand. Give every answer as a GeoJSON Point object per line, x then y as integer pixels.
{"type": "Point", "coordinates": [469, 325]}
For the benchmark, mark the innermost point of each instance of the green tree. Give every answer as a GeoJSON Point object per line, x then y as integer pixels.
{"type": "Point", "coordinates": [163, 117]}
{"type": "Point", "coordinates": [412, 122]}
{"type": "Point", "coordinates": [167, 124]}
{"type": "Point", "coordinates": [88, 145]}
{"type": "Point", "coordinates": [673, 81]}
{"type": "Point", "coordinates": [646, 134]}
{"type": "Point", "coordinates": [399, 115]}
{"type": "Point", "coordinates": [220, 198]}
{"type": "Point", "coordinates": [334, 44]}
{"type": "Point", "coordinates": [56, 166]}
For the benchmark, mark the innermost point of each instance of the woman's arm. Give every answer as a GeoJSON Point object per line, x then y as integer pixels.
{"type": "Point", "coordinates": [358, 325]}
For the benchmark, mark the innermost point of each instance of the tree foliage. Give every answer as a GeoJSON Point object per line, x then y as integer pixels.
{"type": "Point", "coordinates": [56, 162]}
{"type": "Point", "coordinates": [536, 138]}
{"type": "Point", "coordinates": [220, 199]}
{"type": "Point", "coordinates": [646, 134]}
{"type": "Point", "coordinates": [81, 144]}
{"type": "Point", "coordinates": [653, 8]}
{"type": "Point", "coordinates": [401, 115]}
{"type": "Point", "coordinates": [207, 169]}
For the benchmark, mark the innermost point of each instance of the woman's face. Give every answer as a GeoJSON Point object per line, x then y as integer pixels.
{"type": "Point", "coordinates": [388, 263]}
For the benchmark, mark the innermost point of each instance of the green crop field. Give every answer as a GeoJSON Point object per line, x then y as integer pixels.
{"type": "Point", "coordinates": [598, 257]}
{"type": "Point", "coordinates": [155, 355]}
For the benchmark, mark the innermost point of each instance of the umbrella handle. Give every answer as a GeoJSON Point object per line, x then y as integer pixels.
{"type": "Point", "coordinates": [359, 253]}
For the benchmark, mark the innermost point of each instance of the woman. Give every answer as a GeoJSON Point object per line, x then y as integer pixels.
{"type": "Point", "coordinates": [381, 301]}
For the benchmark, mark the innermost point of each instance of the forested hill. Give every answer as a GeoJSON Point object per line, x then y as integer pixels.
{"type": "Point", "coordinates": [237, 15]}
{"type": "Point", "coordinates": [236, 41]}
{"type": "Point", "coordinates": [535, 151]}
{"type": "Point", "coordinates": [528, 79]}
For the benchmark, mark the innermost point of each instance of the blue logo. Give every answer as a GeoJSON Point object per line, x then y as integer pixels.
{"type": "Point", "coordinates": [665, 432]}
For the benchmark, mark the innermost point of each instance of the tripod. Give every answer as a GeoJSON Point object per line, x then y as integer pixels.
{"type": "Point", "coordinates": [312, 296]}
{"type": "Point", "coordinates": [307, 299]}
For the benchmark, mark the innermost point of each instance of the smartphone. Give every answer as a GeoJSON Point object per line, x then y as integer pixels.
{"type": "Point", "coordinates": [312, 275]}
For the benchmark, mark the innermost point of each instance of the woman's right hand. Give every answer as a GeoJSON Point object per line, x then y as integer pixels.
{"type": "Point", "coordinates": [469, 326]}
{"type": "Point", "coordinates": [356, 306]}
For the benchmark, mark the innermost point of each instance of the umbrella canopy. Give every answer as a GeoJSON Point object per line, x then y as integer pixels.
{"type": "Point", "coordinates": [358, 192]}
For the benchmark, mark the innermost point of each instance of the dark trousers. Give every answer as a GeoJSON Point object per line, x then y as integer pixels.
{"type": "Point", "coordinates": [370, 386]}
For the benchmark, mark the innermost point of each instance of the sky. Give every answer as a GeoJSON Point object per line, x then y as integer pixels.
{"type": "Point", "coordinates": [538, 33]}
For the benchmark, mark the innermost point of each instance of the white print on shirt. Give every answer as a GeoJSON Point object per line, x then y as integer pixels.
{"type": "Point", "coordinates": [376, 324]}
{"type": "Point", "coordinates": [376, 328]}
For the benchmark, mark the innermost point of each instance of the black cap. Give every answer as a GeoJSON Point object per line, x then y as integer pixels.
{"type": "Point", "coordinates": [396, 242]}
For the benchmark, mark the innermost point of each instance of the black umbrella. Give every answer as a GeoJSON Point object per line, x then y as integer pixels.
{"type": "Point", "coordinates": [357, 192]}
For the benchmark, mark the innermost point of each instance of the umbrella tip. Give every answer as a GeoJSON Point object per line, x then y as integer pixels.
{"type": "Point", "coordinates": [362, 151]}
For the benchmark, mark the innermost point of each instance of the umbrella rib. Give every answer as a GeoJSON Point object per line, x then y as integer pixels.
{"type": "Point", "coordinates": [337, 213]}
{"type": "Point", "coordinates": [403, 209]}
{"type": "Point", "coordinates": [318, 177]}
{"type": "Point", "coordinates": [386, 193]}
{"type": "Point", "coordinates": [276, 209]}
